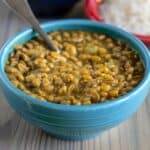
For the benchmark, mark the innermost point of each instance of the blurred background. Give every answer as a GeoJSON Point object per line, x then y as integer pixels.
{"type": "Point", "coordinates": [56, 8]}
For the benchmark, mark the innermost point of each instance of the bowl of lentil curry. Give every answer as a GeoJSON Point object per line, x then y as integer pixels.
{"type": "Point", "coordinates": [90, 68]}
{"type": "Point", "coordinates": [100, 72]}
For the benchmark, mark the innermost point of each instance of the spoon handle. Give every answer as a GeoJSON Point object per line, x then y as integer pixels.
{"type": "Point", "coordinates": [22, 8]}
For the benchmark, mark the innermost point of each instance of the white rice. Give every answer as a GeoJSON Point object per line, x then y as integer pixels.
{"type": "Point", "coordinates": [132, 15]}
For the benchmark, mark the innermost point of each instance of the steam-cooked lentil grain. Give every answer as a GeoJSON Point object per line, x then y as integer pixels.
{"type": "Point", "coordinates": [91, 68]}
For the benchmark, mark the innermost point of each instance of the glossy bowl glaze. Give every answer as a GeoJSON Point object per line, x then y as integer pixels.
{"type": "Point", "coordinates": [75, 122]}
{"type": "Point", "coordinates": [92, 11]}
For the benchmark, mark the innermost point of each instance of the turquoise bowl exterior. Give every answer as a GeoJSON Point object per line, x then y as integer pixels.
{"type": "Point", "coordinates": [75, 122]}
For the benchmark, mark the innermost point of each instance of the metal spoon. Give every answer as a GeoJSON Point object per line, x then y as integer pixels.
{"type": "Point", "coordinates": [22, 8]}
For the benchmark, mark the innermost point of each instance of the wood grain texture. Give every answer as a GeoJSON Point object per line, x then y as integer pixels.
{"type": "Point", "coordinates": [17, 134]}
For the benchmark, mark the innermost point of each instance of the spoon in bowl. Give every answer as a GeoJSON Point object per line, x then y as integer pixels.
{"type": "Point", "coordinates": [22, 9]}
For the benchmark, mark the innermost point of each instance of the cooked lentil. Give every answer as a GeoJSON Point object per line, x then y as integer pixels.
{"type": "Point", "coordinates": [91, 68]}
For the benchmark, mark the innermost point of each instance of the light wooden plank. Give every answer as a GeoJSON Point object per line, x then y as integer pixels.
{"type": "Point", "coordinates": [105, 141]}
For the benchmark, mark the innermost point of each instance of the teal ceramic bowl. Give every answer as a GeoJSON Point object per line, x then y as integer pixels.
{"type": "Point", "coordinates": [75, 122]}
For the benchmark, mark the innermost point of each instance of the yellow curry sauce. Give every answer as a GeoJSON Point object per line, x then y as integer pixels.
{"type": "Point", "coordinates": [90, 68]}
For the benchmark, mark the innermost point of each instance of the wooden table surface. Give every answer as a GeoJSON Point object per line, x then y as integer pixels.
{"type": "Point", "coordinates": [17, 134]}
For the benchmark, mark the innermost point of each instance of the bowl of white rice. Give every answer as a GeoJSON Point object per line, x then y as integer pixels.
{"type": "Point", "coordinates": [131, 15]}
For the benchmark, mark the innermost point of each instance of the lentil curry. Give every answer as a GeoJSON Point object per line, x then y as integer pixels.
{"type": "Point", "coordinates": [91, 68]}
